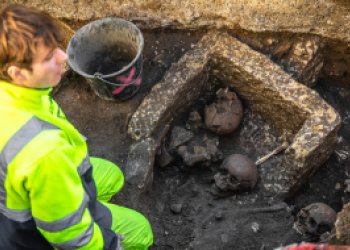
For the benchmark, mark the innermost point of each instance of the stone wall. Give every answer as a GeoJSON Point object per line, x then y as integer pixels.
{"type": "Point", "coordinates": [307, 122]}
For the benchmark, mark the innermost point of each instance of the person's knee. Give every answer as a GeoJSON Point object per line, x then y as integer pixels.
{"type": "Point", "coordinates": [108, 177]}
{"type": "Point", "coordinates": [149, 235]}
{"type": "Point", "coordinates": [117, 179]}
{"type": "Point", "coordinates": [140, 236]}
{"type": "Point", "coordinates": [133, 225]}
{"type": "Point", "coordinates": [142, 239]}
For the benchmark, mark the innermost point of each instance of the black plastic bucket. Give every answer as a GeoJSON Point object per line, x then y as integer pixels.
{"type": "Point", "coordinates": [108, 53]}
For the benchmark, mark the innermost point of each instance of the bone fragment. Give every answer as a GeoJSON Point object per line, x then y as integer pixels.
{"type": "Point", "coordinates": [272, 153]}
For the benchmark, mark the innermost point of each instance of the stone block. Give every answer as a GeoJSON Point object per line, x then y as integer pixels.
{"type": "Point", "coordinates": [300, 56]}
{"type": "Point", "coordinates": [307, 122]}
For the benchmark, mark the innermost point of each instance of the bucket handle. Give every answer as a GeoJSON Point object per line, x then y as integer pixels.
{"type": "Point", "coordinates": [98, 76]}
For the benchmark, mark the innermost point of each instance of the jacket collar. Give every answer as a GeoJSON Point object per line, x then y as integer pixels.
{"type": "Point", "coordinates": [14, 94]}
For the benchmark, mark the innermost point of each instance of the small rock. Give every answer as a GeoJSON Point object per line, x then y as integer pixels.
{"type": "Point", "coordinates": [176, 208]}
{"type": "Point", "coordinates": [255, 227]}
{"type": "Point", "coordinates": [213, 150]}
{"type": "Point", "coordinates": [194, 120]}
{"type": "Point", "coordinates": [199, 150]}
{"type": "Point", "coordinates": [224, 238]}
{"type": "Point", "coordinates": [342, 155]}
{"type": "Point", "coordinates": [192, 159]}
{"type": "Point", "coordinates": [160, 206]}
{"type": "Point", "coordinates": [219, 216]}
{"type": "Point", "coordinates": [164, 158]}
{"type": "Point", "coordinates": [179, 136]}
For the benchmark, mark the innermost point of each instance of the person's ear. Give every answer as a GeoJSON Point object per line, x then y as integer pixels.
{"type": "Point", "coordinates": [17, 74]}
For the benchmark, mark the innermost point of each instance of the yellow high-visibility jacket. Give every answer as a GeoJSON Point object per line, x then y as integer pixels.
{"type": "Point", "coordinates": [47, 193]}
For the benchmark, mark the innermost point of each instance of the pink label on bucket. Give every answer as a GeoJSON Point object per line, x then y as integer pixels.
{"type": "Point", "coordinates": [127, 81]}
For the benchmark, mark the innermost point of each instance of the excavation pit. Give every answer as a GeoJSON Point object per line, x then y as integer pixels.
{"type": "Point", "coordinates": [306, 122]}
{"type": "Point", "coordinates": [182, 211]}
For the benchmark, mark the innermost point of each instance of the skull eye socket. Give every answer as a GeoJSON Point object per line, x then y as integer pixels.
{"type": "Point", "coordinates": [233, 179]}
{"type": "Point", "coordinates": [301, 218]}
{"type": "Point", "coordinates": [312, 223]}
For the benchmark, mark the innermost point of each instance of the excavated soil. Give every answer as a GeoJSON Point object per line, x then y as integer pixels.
{"type": "Point", "coordinates": [183, 213]}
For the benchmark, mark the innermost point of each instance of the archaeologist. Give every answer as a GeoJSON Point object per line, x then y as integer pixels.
{"type": "Point", "coordinates": [52, 194]}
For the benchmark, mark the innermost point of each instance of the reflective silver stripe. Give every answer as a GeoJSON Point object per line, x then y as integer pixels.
{"type": "Point", "coordinates": [17, 215]}
{"type": "Point", "coordinates": [66, 222]}
{"type": "Point", "coordinates": [84, 166]}
{"type": "Point", "coordinates": [21, 138]}
{"type": "Point", "coordinates": [15, 144]}
{"type": "Point", "coordinates": [2, 179]}
{"type": "Point", "coordinates": [77, 242]}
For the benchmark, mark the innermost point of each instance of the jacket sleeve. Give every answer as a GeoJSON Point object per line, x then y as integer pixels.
{"type": "Point", "coordinates": [59, 202]}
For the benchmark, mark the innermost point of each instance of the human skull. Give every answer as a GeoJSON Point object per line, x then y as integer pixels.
{"type": "Point", "coordinates": [315, 219]}
{"type": "Point", "coordinates": [240, 174]}
{"type": "Point", "coordinates": [225, 114]}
